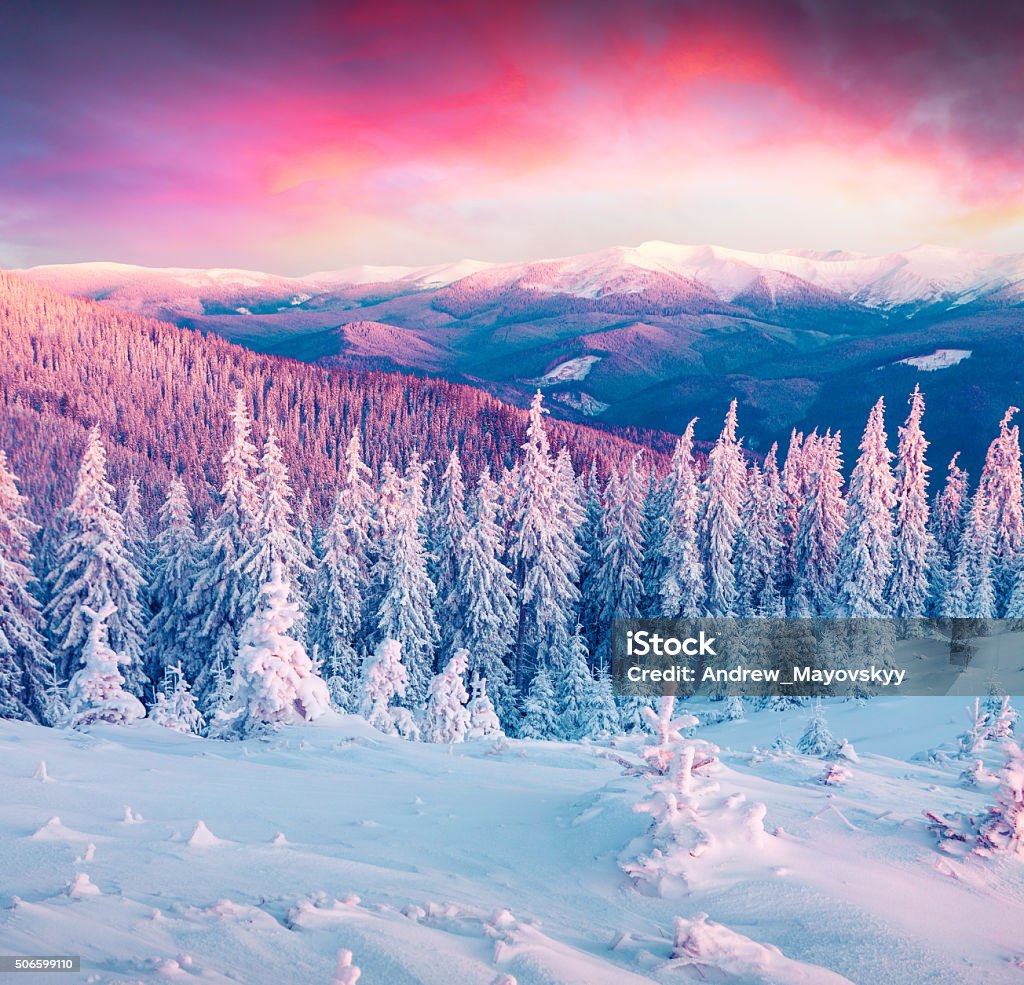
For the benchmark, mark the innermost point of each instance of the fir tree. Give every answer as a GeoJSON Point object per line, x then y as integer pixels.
{"type": "Point", "coordinates": [682, 586]}
{"type": "Point", "coordinates": [619, 585]}
{"type": "Point", "coordinates": [821, 528]}
{"type": "Point", "coordinates": [652, 535]}
{"type": "Point", "coordinates": [817, 740]}
{"type": "Point", "coordinates": [169, 638]}
{"type": "Point", "coordinates": [175, 707]}
{"type": "Point", "coordinates": [575, 688]}
{"type": "Point", "coordinates": [720, 520]}
{"type": "Point", "coordinates": [276, 541]}
{"type": "Point", "coordinates": [405, 612]}
{"type": "Point", "coordinates": [483, 719]}
{"type": "Point", "coordinates": [545, 557]}
{"type": "Point", "coordinates": [1001, 482]}
{"type": "Point", "coordinates": [483, 603]}
{"type": "Point", "coordinates": [96, 692]}
{"type": "Point", "coordinates": [540, 713]}
{"type": "Point", "coordinates": [759, 544]}
{"type": "Point", "coordinates": [914, 548]}
{"type": "Point", "coordinates": [136, 532]}
{"type": "Point", "coordinates": [274, 681]}
{"type": "Point", "coordinates": [221, 591]}
{"type": "Point", "coordinates": [866, 548]}
{"type": "Point", "coordinates": [602, 716]}
{"type": "Point", "coordinates": [93, 567]}
{"type": "Point", "coordinates": [1002, 829]}
{"type": "Point", "coordinates": [449, 526]}
{"type": "Point", "coordinates": [589, 539]}
{"type": "Point", "coordinates": [971, 589]}
{"type": "Point", "coordinates": [25, 667]}
{"type": "Point", "coordinates": [384, 680]}
{"type": "Point", "coordinates": [447, 719]}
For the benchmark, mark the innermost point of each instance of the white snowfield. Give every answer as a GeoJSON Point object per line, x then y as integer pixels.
{"type": "Point", "coordinates": [939, 359]}
{"type": "Point", "coordinates": [163, 857]}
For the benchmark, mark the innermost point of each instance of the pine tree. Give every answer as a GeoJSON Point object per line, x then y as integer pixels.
{"type": "Point", "coordinates": [93, 567]}
{"type": "Point", "coordinates": [175, 707]}
{"type": "Point", "coordinates": [653, 526]}
{"type": "Point", "coordinates": [589, 539]}
{"type": "Point", "coordinates": [25, 666]}
{"type": "Point", "coordinates": [220, 594]}
{"type": "Point", "coordinates": [947, 523]}
{"type": "Point", "coordinates": [545, 557]}
{"type": "Point", "coordinates": [602, 716]}
{"type": "Point", "coordinates": [866, 548]}
{"type": "Point", "coordinates": [169, 639]}
{"type": "Point", "coordinates": [821, 528]}
{"type": "Point", "coordinates": [971, 589]}
{"type": "Point", "coordinates": [483, 601]}
{"type": "Point", "coordinates": [449, 526]}
{"type": "Point", "coordinates": [384, 680]}
{"type": "Point", "coordinates": [276, 541]}
{"type": "Point", "coordinates": [914, 548]}
{"type": "Point", "coordinates": [759, 562]}
{"type": "Point", "coordinates": [96, 692]}
{"type": "Point", "coordinates": [619, 585]}
{"type": "Point", "coordinates": [136, 532]}
{"type": "Point", "coordinates": [682, 586]}
{"type": "Point", "coordinates": [817, 740]}
{"type": "Point", "coordinates": [1001, 482]}
{"type": "Point", "coordinates": [483, 719]}
{"type": "Point", "coordinates": [447, 717]}
{"type": "Point", "coordinates": [724, 489]}
{"type": "Point", "coordinates": [274, 681]}
{"type": "Point", "coordinates": [575, 688]}
{"type": "Point", "coordinates": [794, 491]}
{"type": "Point", "coordinates": [1002, 830]}
{"type": "Point", "coordinates": [540, 713]}
{"type": "Point", "coordinates": [405, 612]}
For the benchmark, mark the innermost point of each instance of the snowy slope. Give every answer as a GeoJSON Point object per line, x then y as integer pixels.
{"type": "Point", "coordinates": [458, 866]}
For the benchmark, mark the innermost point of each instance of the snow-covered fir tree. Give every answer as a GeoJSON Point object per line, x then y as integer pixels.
{"type": "Point", "coordinates": [1002, 829]}
{"type": "Point", "coordinates": [25, 665]}
{"type": "Point", "coordinates": [483, 600]}
{"type": "Point", "coordinates": [589, 538]}
{"type": "Point", "coordinates": [545, 557]}
{"type": "Point", "coordinates": [383, 683]}
{"type": "Point", "coordinates": [950, 511]}
{"type": "Point", "coordinates": [220, 593]}
{"type": "Point", "coordinates": [865, 551]}
{"type": "Point", "coordinates": [682, 586]}
{"type": "Point", "coordinates": [136, 531]}
{"type": "Point", "coordinates": [619, 585]}
{"type": "Point", "coordinates": [540, 709]}
{"type": "Point", "coordinates": [407, 594]}
{"type": "Point", "coordinates": [274, 682]}
{"type": "Point", "coordinates": [92, 567]}
{"type": "Point", "coordinates": [793, 486]}
{"type": "Point", "coordinates": [821, 527]}
{"type": "Point", "coordinates": [575, 687]}
{"type": "Point", "coordinates": [447, 717]}
{"type": "Point", "coordinates": [169, 639]}
{"type": "Point", "coordinates": [817, 740]}
{"type": "Point", "coordinates": [652, 535]}
{"type": "Point", "coordinates": [971, 589]}
{"type": "Point", "coordinates": [175, 707]}
{"type": "Point", "coordinates": [914, 548]}
{"type": "Point", "coordinates": [276, 540]}
{"type": "Point", "coordinates": [759, 546]}
{"type": "Point", "coordinates": [724, 491]}
{"type": "Point", "coordinates": [96, 691]}
{"type": "Point", "coordinates": [1001, 483]}
{"type": "Point", "coordinates": [483, 719]}
{"type": "Point", "coordinates": [602, 715]}
{"type": "Point", "coordinates": [448, 526]}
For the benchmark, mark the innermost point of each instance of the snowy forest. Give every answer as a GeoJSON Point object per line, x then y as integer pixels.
{"type": "Point", "coordinates": [420, 583]}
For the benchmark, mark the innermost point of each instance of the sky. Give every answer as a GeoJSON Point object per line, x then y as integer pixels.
{"type": "Point", "coordinates": [300, 136]}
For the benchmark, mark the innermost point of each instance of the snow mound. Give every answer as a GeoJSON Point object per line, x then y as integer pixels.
{"type": "Point", "coordinates": [715, 953]}
{"type": "Point", "coordinates": [82, 886]}
{"type": "Point", "coordinates": [203, 837]}
{"type": "Point", "coordinates": [54, 830]}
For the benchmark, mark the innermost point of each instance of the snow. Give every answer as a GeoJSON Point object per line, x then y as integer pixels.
{"type": "Point", "coordinates": [571, 369]}
{"type": "Point", "coordinates": [939, 359]}
{"type": "Point", "coordinates": [445, 865]}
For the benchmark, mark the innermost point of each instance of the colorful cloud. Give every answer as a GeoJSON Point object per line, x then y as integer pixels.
{"type": "Point", "coordinates": [299, 136]}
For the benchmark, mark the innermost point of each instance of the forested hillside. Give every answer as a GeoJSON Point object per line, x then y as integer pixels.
{"type": "Point", "coordinates": [161, 396]}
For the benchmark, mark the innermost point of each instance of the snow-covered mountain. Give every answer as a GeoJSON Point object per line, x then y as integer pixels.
{"type": "Point", "coordinates": [668, 331]}
{"type": "Point", "coordinates": [919, 277]}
